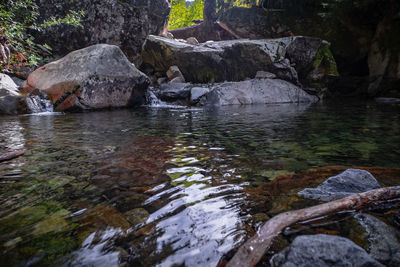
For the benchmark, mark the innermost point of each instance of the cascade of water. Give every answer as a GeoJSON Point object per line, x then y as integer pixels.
{"type": "Point", "coordinates": [39, 103]}
{"type": "Point", "coordinates": [153, 101]}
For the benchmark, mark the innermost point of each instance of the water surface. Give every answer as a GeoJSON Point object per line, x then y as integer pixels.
{"type": "Point", "coordinates": [167, 186]}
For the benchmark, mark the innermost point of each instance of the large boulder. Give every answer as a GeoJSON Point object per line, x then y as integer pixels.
{"type": "Point", "coordinates": [11, 102]}
{"type": "Point", "coordinates": [323, 250]}
{"type": "Point", "coordinates": [349, 182]}
{"type": "Point", "coordinates": [122, 23]}
{"type": "Point", "coordinates": [366, 50]}
{"type": "Point", "coordinates": [95, 77]}
{"type": "Point", "coordinates": [254, 91]}
{"type": "Point", "coordinates": [293, 58]}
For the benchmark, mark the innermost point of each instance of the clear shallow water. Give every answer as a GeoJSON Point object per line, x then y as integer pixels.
{"type": "Point", "coordinates": [167, 186]}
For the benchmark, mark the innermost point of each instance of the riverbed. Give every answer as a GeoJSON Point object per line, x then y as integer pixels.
{"type": "Point", "coordinates": [169, 186]}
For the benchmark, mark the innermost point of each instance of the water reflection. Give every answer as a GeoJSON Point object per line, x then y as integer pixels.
{"type": "Point", "coordinates": [174, 177]}
{"type": "Point", "coordinates": [11, 135]}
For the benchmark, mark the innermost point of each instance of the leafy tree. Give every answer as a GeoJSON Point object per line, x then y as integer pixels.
{"type": "Point", "coordinates": [184, 14]}
{"type": "Point", "coordinates": [17, 18]}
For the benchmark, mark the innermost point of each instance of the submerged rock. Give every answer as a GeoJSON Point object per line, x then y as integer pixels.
{"type": "Point", "coordinates": [122, 23]}
{"type": "Point", "coordinates": [383, 239]}
{"type": "Point", "coordinates": [96, 77]}
{"type": "Point", "coordinates": [323, 250]}
{"type": "Point", "coordinates": [237, 60]}
{"type": "Point", "coordinates": [349, 182]}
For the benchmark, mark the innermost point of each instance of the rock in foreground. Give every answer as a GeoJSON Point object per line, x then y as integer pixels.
{"type": "Point", "coordinates": [383, 239]}
{"type": "Point", "coordinates": [292, 59]}
{"type": "Point", "coordinates": [323, 250]}
{"type": "Point", "coordinates": [349, 182]}
{"type": "Point", "coordinates": [95, 77]}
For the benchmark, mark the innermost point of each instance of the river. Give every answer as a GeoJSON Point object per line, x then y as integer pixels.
{"type": "Point", "coordinates": [168, 186]}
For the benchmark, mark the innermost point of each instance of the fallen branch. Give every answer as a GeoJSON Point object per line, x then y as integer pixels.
{"type": "Point", "coordinates": [11, 155]}
{"type": "Point", "coordinates": [250, 253]}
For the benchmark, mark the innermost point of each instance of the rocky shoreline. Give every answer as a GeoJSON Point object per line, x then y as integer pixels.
{"type": "Point", "coordinates": [239, 72]}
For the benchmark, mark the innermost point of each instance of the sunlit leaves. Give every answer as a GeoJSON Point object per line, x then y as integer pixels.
{"type": "Point", "coordinates": [17, 17]}
{"type": "Point", "coordinates": [184, 14]}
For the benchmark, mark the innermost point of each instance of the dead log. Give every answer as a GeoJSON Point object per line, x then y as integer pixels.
{"type": "Point", "coordinates": [11, 155]}
{"type": "Point", "coordinates": [250, 253]}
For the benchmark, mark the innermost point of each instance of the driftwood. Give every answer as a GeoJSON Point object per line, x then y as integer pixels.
{"type": "Point", "coordinates": [250, 253]}
{"type": "Point", "coordinates": [11, 155]}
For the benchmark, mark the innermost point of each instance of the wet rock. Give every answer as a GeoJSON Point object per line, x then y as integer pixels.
{"type": "Point", "coordinates": [137, 216]}
{"type": "Point", "coordinates": [265, 91]}
{"type": "Point", "coordinates": [38, 101]}
{"type": "Point", "coordinates": [100, 217]}
{"type": "Point", "coordinates": [323, 250]}
{"type": "Point", "coordinates": [54, 223]}
{"type": "Point", "coordinates": [178, 80]}
{"type": "Point", "coordinates": [161, 80]}
{"type": "Point", "coordinates": [173, 92]}
{"type": "Point", "coordinates": [95, 77]}
{"type": "Point", "coordinates": [349, 182]}
{"type": "Point", "coordinates": [122, 23]}
{"type": "Point", "coordinates": [139, 163]}
{"type": "Point", "coordinates": [192, 41]}
{"type": "Point", "coordinates": [11, 102]}
{"type": "Point", "coordinates": [387, 100]}
{"type": "Point", "coordinates": [238, 59]}
{"type": "Point", "coordinates": [382, 239]}
{"type": "Point", "coordinates": [17, 81]}
{"type": "Point", "coordinates": [265, 75]}
{"type": "Point", "coordinates": [174, 72]}
{"type": "Point", "coordinates": [196, 93]}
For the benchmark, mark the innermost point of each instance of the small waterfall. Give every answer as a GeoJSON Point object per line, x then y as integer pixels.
{"type": "Point", "coordinates": [38, 102]}
{"type": "Point", "coordinates": [153, 101]}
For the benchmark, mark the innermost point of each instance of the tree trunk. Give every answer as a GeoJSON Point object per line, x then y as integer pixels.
{"type": "Point", "coordinates": [210, 11]}
{"type": "Point", "coordinates": [250, 253]}
{"type": "Point", "coordinates": [11, 155]}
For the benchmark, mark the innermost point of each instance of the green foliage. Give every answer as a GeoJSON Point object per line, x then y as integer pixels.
{"type": "Point", "coordinates": [183, 15]}
{"type": "Point", "coordinates": [17, 17]}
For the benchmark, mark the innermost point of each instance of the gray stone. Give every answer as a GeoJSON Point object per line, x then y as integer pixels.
{"type": "Point", "coordinates": [122, 23]}
{"type": "Point", "coordinates": [178, 80]}
{"type": "Point", "coordinates": [196, 93]}
{"type": "Point", "coordinates": [174, 72]}
{"type": "Point", "coordinates": [349, 182]}
{"type": "Point", "coordinates": [17, 81]}
{"type": "Point", "coordinates": [192, 41]}
{"type": "Point", "coordinates": [173, 91]}
{"type": "Point", "coordinates": [236, 60]}
{"type": "Point", "coordinates": [11, 102]}
{"type": "Point", "coordinates": [95, 77]}
{"type": "Point", "coordinates": [383, 239]}
{"type": "Point", "coordinates": [256, 91]}
{"type": "Point", "coordinates": [161, 80]}
{"type": "Point", "coordinates": [323, 250]}
{"type": "Point", "coordinates": [388, 100]}
{"type": "Point", "coordinates": [265, 75]}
